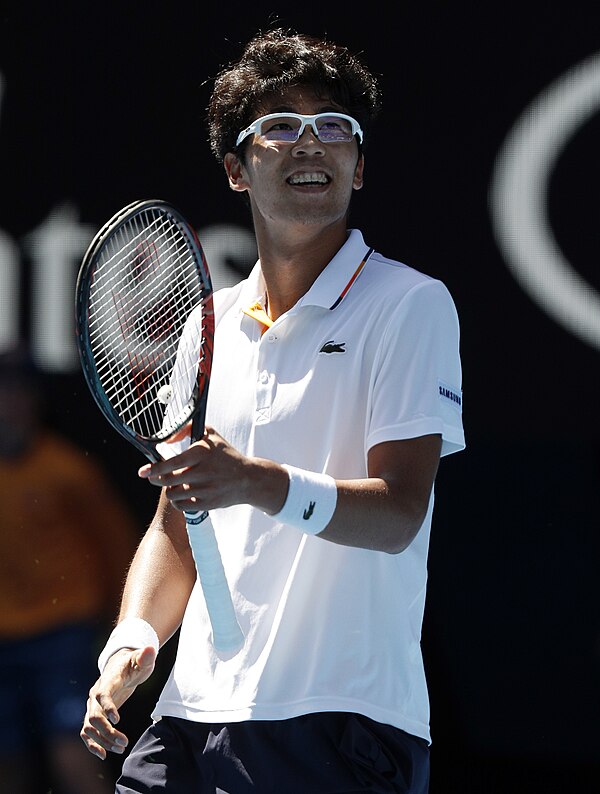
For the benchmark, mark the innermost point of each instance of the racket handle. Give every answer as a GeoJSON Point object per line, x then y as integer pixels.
{"type": "Point", "coordinates": [227, 634]}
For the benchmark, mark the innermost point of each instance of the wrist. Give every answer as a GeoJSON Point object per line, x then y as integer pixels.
{"type": "Point", "coordinates": [267, 485]}
{"type": "Point", "coordinates": [132, 633]}
{"type": "Point", "coordinates": [310, 502]}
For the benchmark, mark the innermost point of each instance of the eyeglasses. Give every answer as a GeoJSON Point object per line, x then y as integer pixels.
{"type": "Point", "coordinates": [288, 127]}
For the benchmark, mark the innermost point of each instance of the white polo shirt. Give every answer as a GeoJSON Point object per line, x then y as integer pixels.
{"type": "Point", "coordinates": [369, 354]}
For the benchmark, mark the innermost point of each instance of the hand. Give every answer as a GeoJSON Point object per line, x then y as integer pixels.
{"type": "Point", "coordinates": [123, 672]}
{"type": "Point", "coordinates": [212, 474]}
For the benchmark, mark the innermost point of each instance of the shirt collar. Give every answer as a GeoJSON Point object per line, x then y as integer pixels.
{"type": "Point", "coordinates": [330, 287]}
{"type": "Point", "coordinates": [340, 274]}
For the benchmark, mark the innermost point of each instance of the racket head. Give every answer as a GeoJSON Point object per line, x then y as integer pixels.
{"type": "Point", "coordinates": [145, 324]}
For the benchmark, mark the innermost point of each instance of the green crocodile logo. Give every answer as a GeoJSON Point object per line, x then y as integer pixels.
{"type": "Point", "coordinates": [309, 511]}
{"type": "Point", "coordinates": [333, 347]}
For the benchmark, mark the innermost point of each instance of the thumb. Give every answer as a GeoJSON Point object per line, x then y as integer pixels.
{"type": "Point", "coordinates": [142, 663]}
{"type": "Point", "coordinates": [124, 671]}
{"type": "Point", "coordinates": [137, 669]}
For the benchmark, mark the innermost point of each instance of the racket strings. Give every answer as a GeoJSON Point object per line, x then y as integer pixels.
{"type": "Point", "coordinates": [133, 387]}
{"type": "Point", "coordinates": [137, 310]}
{"type": "Point", "coordinates": [132, 393]}
{"type": "Point", "coordinates": [144, 294]}
{"type": "Point", "coordinates": [117, 274]}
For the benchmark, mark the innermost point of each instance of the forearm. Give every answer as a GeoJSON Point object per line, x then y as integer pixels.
{"type": "Point", "coordinates": [162, 574]}
{"type": "Point", "coordinates": [382, 512]}
{"type": "Point", "coordinates": [372, 514]}
{"type": "Point", "coordinates": [369, 513]}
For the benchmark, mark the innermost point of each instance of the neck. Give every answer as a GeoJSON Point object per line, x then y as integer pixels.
{"type": "Point", "coordinates": [292, 261]}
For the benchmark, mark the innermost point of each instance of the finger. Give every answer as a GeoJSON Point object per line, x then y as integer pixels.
{"type": "Point", "coordinates": [108, 710]}
{"type": "Point", "coordinates": [170, 470]}
{"type": "Point", "coordinates": [100, 718]}
{"type": "Point", "coordinates": [188, 506]}
{"type": "Point", "coordinates": [99, 740]}
{"type": "Point", "coordinates": [181, 460]}
{"type": "Point", "coordinates": [150, 471]}
{"type": "Point", "coordinates": [108, 737]}
{"type": "Point", "coordinates": [98, 734]}
{"type": "Point", "coordinates": [94, 748]}
{"type": "Point", "coordinates": [177, 476]}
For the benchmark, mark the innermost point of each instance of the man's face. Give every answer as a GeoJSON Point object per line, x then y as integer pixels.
{"type": "Point", "coordinates": [307, 182]}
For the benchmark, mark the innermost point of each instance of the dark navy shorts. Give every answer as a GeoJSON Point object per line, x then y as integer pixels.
{"type": "Point", "coordinates": [324, 753]}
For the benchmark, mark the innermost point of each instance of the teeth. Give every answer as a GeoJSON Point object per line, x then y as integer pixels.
{"type": "Point", "coordinates": [303, 179]}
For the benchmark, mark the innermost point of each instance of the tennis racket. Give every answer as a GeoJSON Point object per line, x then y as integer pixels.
{"type": "Point", "coordinates": [145, 328]}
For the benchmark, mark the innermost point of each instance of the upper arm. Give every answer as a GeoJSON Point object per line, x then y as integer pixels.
{"type": "Point", "coordinates": [408, 467]}
{"type": "Point", "coordinates": [411, 462]}
{"type": "Point", "coordinates": [385, 511]}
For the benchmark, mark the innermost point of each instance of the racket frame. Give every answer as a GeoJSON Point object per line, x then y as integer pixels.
{"type": "Point", "coordinates": [145, 444]}
{"type": "Point", "coordinates": [227, 635]}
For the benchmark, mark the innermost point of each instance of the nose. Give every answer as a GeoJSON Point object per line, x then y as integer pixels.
{"type": "Point", "coordinates": [308, 143]}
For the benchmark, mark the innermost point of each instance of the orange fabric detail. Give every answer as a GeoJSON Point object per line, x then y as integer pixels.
{"type": "Point", "coordinates": [355, 275]}
{"type": "Point", "coordinates": [257, 312]}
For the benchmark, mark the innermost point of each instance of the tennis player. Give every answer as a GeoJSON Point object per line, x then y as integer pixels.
{"type": "Point", "coordinates": [336, 387]}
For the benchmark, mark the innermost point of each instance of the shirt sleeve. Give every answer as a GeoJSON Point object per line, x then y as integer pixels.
{"type": "Point", "coordinates": [416, 386]}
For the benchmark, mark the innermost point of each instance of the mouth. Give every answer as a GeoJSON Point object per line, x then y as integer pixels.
{"type": "Point", "coordinates": [309, 179]}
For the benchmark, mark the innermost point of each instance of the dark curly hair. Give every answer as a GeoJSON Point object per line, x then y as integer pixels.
{"type": "Point", "coordinates": [276, 60]}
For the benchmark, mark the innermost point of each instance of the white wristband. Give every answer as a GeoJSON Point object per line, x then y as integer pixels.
{"type": "Point", "coordinates": [131, 633]}
{"type": "Point", "coordinates": [310, 501]}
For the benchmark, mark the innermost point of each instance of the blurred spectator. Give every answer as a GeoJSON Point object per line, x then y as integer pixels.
{"type": "Point", "coordinates": [65, 542]}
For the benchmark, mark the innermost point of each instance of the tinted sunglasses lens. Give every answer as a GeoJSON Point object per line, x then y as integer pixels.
{"type": "Point", "coordinates": [332, 129]}
{"type": "Point", "coordinates": [281, 128]}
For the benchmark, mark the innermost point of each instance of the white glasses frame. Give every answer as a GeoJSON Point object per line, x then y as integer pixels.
{"type": "Point", "coordinates": [254, 128]}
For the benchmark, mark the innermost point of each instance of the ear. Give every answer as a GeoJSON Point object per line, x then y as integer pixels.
{"type": "Point", "coordinates": [235, 172]}
{"type": "Point", "coordinates": [357, 182]}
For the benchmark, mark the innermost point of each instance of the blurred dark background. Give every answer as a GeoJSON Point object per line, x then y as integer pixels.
{"type": "Point", "coordinates": [103, 103]}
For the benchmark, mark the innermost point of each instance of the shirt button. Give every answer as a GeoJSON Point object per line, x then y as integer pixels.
{"type": "Point", "coordinates": [271, 338]}
{"type": "Point", "coordinates": [264, 377]}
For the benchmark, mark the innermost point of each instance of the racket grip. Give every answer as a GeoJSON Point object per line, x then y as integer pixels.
{"type": "Point", "coordinates": [227, 634]}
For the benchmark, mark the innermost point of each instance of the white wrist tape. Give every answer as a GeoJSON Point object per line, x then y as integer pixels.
{"type": "Point", "coordinates": [132, 633]}
{"type": "Point", "coordinates": [310, 501]}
